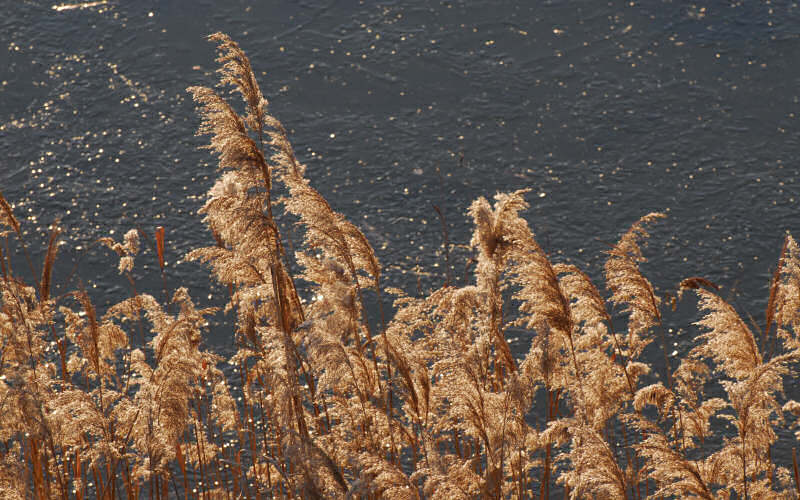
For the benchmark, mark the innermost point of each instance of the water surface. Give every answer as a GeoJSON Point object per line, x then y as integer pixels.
{"type": "Point", "coordinates": [604, 110]}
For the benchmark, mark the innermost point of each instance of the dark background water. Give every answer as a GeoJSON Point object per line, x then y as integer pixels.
{"type": "Point", "coordinates": [605, 110]}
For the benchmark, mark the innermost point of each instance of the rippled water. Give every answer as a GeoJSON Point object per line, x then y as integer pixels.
{"type": "Point", "coordinates": [605, 110]}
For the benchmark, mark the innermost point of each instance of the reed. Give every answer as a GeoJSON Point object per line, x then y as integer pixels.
{"type": "Point", "coordinates": [432, 403]}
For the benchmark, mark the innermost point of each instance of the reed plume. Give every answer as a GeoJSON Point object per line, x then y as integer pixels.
{"type": "Point", "coordinates": [513, 384]}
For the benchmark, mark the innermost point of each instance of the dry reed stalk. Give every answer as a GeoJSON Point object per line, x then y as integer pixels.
{"type": "Point", "coordinates": [159, 235]}
{"type": "Point", "coordinates": [182, 465]}
{"type": "Point", "coordinates": [9, 216]}
{"type": "Point", "coordinates": [795, 468]}
{"type": "Point", "coordinates": [50, 258]}
{"type": "Point", "coordinates": [10, 219]}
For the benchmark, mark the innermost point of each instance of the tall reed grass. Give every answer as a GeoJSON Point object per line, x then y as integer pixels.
{"type": "Point", "coordinates": [430, 403]}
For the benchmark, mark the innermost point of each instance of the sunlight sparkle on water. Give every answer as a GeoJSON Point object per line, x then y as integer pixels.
{"type": "Point", "coordinates": [82, 5]}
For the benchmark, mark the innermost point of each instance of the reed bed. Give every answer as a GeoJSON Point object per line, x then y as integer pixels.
{"type": "Point", "coordinates": [430, 403]}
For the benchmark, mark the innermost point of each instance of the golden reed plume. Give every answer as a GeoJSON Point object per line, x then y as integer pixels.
{"type": "Point", "coordinates": [321, 400]}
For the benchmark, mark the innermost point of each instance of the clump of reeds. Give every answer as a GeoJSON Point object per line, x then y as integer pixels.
{"type": "Point", "coordinates": [431, 404]}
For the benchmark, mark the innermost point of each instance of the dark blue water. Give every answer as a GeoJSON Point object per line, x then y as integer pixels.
{"type": "Point", "coordinates": [605, 110]}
